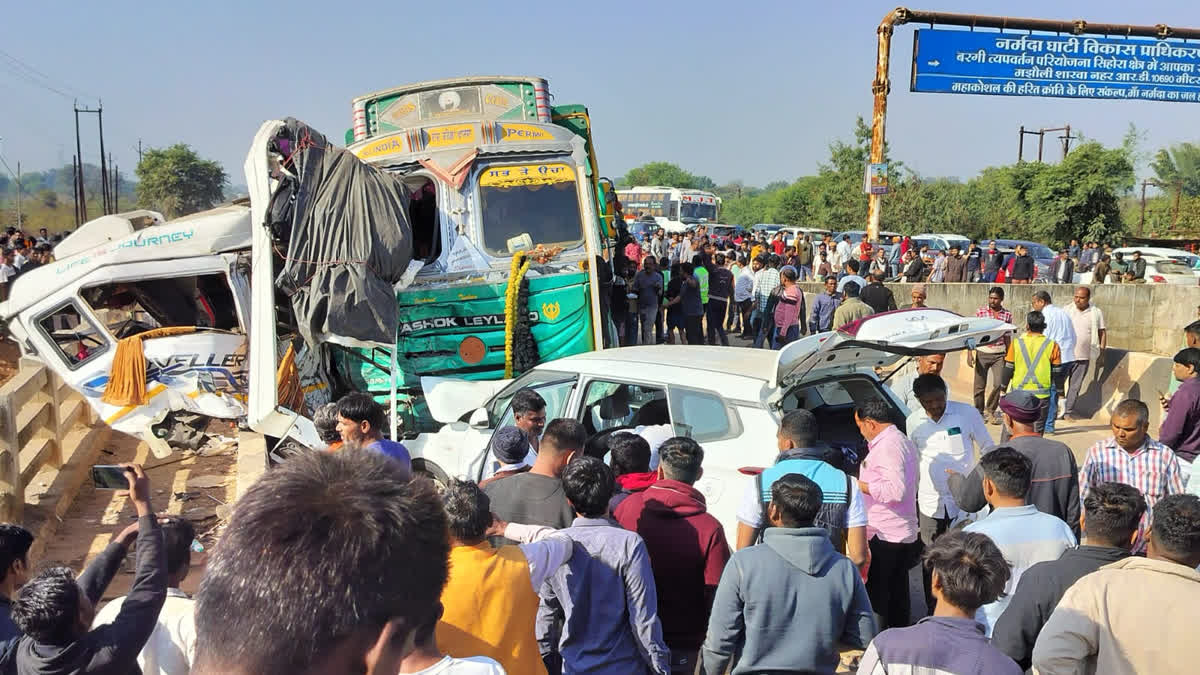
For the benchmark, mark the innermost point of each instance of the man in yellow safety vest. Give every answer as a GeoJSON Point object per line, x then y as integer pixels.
{"type": "Point", "coordinates": [1032, 363]}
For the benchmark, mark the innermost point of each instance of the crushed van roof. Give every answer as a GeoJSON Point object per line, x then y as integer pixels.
{"type": "Point", "coordinates": [226, 228]}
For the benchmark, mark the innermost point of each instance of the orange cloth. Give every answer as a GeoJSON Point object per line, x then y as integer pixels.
{"type": "Point", "coordinates": [491, 608]}
{"type": "Point", "coordinates": [127, 376]}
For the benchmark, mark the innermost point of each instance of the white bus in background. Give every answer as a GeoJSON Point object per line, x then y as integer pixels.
{"type": "Point", "coordinates": [674, 209]}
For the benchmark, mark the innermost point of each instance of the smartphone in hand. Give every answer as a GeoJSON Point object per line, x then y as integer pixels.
{"type": "Point", "coordinates": [109, 477]}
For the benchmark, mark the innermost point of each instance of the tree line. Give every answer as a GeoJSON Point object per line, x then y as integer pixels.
{"type": "Point", "coordinates": [1093, 194]}
{"type": "Point", "coordinates": [174, 181]}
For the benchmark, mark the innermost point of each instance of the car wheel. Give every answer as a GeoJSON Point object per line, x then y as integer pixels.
{"type": "Point", "coordinates": [431, 471]}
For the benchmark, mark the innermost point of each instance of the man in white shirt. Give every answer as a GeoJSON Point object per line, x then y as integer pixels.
{"type": "Point", "coordinates": [843, 252]}
{"type": "Point", "coordinates": [7, 272]}
{"type": "Point", "coordinates": [1091, 339]}
{"type": "Point", "coordinates": [172, 645]}
{"type": "Point", "coordinates": [743, 294]}
{"type": "Point", "coordinates": [947, 435]}
{"type": "Point", "coordinates": [1059, 329]}
{"type": "Point", "coordinates": [902, 382]}
{"type": "Point", "coordinates": [21, 256]}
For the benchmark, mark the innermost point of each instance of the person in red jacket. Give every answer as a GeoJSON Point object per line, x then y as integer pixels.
{"type": "Point", "coordinates": [687, 548]}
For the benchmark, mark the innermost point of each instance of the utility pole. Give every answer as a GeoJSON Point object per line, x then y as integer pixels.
{"type": "Point", "coordinates": [103, 164]}
{"type": "Point", "coordinates": [80, 198]}
{"type": "Point", "coordinates": [139, 152]}
{"type": "Point", "coordinates": [116, 185]}
{"type": "Point", "coordinates": [1041, 134]}
{"type": "Point", "coordinates": [19, 190]}
{"type": "Point", "coordinates": [75, 185]}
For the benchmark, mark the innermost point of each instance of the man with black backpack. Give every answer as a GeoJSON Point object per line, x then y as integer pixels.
{"type": "Point", "coordinates": [842, 512]}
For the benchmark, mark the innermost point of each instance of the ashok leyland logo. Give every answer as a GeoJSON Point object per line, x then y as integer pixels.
{"type": "Point", "coordinates": [550, 310]}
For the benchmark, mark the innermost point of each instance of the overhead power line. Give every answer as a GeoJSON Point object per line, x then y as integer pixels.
{"type": "Point", "coordinates": [37, 78]}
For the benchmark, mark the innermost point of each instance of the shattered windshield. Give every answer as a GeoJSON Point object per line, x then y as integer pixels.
{"type": "Point", "coordinates": [524, 206]}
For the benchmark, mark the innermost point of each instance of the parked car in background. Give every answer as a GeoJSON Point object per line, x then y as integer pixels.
{"type": "Point", "coordinates": [730, 399]}
{"type": "Point", "coordinates": [941, 242]}
{"type": "Point", "coordinates": [1158, 271]}
{"type": "Point", "coordinates": [1179, 255]}
{"type": "Point", "coordinates": [792, 234]}
{"type": "Point", "coordinates": [856, 236]}
{"type": "Point", "coordinates": [723, 233]}
{"type": "Point", "coordinates": [768, 229]}
{"type": "Point", "coordinates": [642, 230]}
{"type": "Point", "coordinates": [1043, 256]}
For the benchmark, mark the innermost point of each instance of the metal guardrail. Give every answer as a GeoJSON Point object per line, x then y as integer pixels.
{"type": "Point", "coordinates": [38, 411]}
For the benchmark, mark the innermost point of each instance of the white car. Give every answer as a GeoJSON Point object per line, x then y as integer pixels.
{"type": "Point", "coordinates": [1159, 270]}
{"type": "Point", "coordinates": [729, 399]}
{"type": "Point", "coordinates": [1191, 260]}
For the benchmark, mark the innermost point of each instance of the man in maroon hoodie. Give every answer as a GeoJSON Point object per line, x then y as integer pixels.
{"type": "Point", "coordinates": [629, 457]}
{"type": "Point", "coordinates": [686, 544]}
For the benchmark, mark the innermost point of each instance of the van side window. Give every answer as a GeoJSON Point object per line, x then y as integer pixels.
{"type": "Point", "coordinates": [75, 335]}
{"type": "Point", "coordinates": [133, 307]}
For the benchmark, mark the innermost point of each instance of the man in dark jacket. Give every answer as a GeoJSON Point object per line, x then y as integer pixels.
{"type": "Point", "coordinates": [754, 626]}
{"type": "Point", "coordinates": [720, 290]}
{"type": "Point", "coordinates": [878, 296]}
{"type": "Point", "coordinates": [15, 542]}
{"type": "Point", "coordinates": [686, 544]}
{"type": "Point", "coordinates": [1062, 270]}
{"type": "Point", "coordinates": [1112, 512]}
{"type": "Point", "coordinates": [1023, 268]}
{"type": "Point", "coordinates": [55, 610]}
{"type": "Point", "coordinates": [1055, 486]}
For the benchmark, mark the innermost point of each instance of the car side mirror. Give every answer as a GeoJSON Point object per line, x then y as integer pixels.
{"type": "Point", "coordinates": [479, 419]}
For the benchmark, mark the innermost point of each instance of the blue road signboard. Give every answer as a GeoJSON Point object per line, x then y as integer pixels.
{"type": "Point", "coordinates": [1067, 66]}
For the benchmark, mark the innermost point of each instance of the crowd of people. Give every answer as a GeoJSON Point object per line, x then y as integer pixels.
{"type": "Point", "coordinates": [568, 557]}
{"type": "Point", "coordinates": [694, 288]}
{"type": "Point", "coordinates": [21, 252]}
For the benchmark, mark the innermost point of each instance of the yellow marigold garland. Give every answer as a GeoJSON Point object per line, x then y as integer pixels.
{"type": "Point", "coordinates": [516, 274]}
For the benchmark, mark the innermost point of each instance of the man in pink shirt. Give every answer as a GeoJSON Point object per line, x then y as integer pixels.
{"type": "Point", "coordinates": [789, 312]}
{"type": "Point", "coordinates": [888, 480]}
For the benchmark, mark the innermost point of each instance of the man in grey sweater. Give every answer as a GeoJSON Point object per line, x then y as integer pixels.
{"type": "Point", "coordinates": [754, 612]}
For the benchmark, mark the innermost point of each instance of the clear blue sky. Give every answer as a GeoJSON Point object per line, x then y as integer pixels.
{"type": "Point", "coordinates": [752, 90]}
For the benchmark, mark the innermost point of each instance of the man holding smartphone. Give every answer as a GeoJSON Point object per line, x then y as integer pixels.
{"type": "Point", "coordinates": [55, 609]}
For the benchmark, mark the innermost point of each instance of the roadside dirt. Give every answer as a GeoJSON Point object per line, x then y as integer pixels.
{"type": "Point", "coordinates": [197, 487]}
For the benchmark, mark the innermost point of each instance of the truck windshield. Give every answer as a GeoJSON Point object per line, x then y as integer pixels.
{"type": "Point", "coordinates": [517, 217]}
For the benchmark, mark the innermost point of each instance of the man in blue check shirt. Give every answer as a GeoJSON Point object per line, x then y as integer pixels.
{"type": "Point", "coordinates": [824, 306]}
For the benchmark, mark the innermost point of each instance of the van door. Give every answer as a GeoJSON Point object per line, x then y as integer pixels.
{"type": "Point", "coordinates": [202, 370]}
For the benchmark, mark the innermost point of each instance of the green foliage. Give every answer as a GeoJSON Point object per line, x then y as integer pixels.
{"type": "Point", "coordinates": [176, 181]}
{"type": "Point", "coordinates": [667, 174]}
{"type": "Point", "coordinates": [1179, 168]}
{"type": "Point", "coordinates": [1078, 198]}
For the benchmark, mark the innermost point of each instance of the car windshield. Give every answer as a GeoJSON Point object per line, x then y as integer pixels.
{"type": "Point", "coordinates": [724, 231]}
{"type": "Point", "coordinates": [1039, 251]}
{"type": "Point", "coordinates": [1172, 267]}
{"type": "Point", "coordinates": [1189, 260]}
{"type": "Point", "coordinates": [519, 215]}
